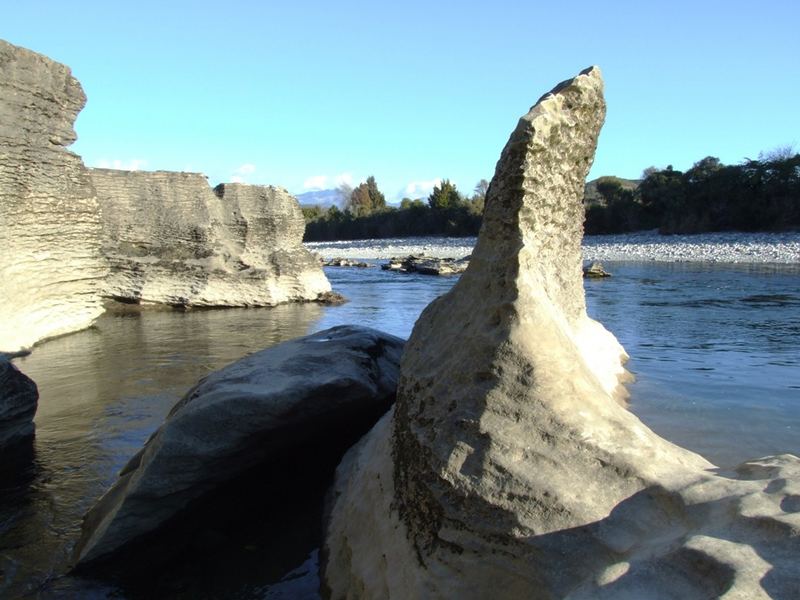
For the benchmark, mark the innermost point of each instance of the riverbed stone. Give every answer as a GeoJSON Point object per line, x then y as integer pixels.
{"type": "Point", "coordinates": [323, 391]}
{"type": "Point", "coordinates": [171, 239]}
{"type": "Point", "coordinates": [18, 401]}
{"type": "Point", "coordinates": [595, 270]}
{"type": "Point", "coordinates": [509, 465]}
{"type": "Point", "coordinates": [50, 264]}
{"type": "Point", "coordinates": [425, 265]}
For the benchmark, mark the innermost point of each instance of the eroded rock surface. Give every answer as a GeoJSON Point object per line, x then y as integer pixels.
{"type": "Point", "coordinates": [322, 391]}
{"type": "Point", "coordinates": [171, 239]}
{"type": "Point", "coordinates": [50, 264]}
{"type": "Point", "coordinates": [18, 401]}
{"type": "Point", "coordinates": [508, 466]}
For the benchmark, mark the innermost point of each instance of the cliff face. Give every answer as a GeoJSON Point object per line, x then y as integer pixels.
{"type": "Point", "coordinates": [508, 465]}
{"type": "Point", "coordinates": [170, 239]}
{"type": "Point", "coordinates": [50, 263]}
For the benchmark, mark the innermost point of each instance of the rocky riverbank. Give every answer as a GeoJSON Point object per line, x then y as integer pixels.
{"type": "Point", "coordinates": [170, 239]}
{"type": "Point", "coordinates": [73, 236]}
{"type": "Point", "coordinates": [645, 246]}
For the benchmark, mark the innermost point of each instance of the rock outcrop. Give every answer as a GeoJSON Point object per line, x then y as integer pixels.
{"type": "Point", "coordinates": [425, 265]}
{"type": "Point", "coordinates": [345, 262]}
{"type": "Point", "coordinates": [595, 270]}
{"type": "Point", "coordinates": [50, 264]}
{"type": "Point", "coordinates": [171, 239]}
{"type": "Point", "coordinates": [508, 466]}
{"type": "Point", "coordinates": [18, 401]}
{"type": "Point", "coordinates": [299, 403]}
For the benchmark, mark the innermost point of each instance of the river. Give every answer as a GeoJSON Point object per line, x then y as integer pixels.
{"type": "Point", "coordinates": [712, 325]}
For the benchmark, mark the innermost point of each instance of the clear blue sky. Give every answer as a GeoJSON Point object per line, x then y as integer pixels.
{"type": "Point", "coordinates": [303, 94]}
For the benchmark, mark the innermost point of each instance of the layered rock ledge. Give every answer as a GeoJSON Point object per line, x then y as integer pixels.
{"type": "Point", "coordinates": [50, 264]}
{"type": "Point", "coordinates": [295, 407]}
{"type": "Point", "coordinates": [508, 466]}
{"type": "Point", "coordinates": [167, 237]}
{"type": "Point", "coordinates": [171, 239]}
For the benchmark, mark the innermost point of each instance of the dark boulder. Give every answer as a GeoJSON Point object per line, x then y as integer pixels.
{"type": "Point", "coordinates": [285, 414]}
{"type": "Point", "coordinates": [18, 401]}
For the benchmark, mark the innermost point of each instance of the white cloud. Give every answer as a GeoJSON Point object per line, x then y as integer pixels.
{"type": "Point", "coordinates": [420, 189]}
{"type": "Point", "coordinates": [346, 178]}
{"type": "Point", "coordinates": [241, 172]}
{"type": "Point", "coordinates": [246, 169]}
{"type": "Point", "coordinates": [131, 165]}
{"type": "Point", "coordinates": [317, 182]}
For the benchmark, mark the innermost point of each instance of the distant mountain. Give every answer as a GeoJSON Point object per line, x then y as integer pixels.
{"type": "Point", "coordinates": [592, 196]}
{"type": "Point", "coordinates": [323, 198]}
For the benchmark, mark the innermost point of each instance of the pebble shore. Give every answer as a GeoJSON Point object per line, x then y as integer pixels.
{"type": "Point", "coordinates": [727, 247]}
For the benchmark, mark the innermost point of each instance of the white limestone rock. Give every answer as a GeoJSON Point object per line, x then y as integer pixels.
{"type": "Point", "coordinates": [50, 264]}
{"type": "Point", "coordinates": [171, 239]}
{"type": "Point", "coordinates": [508, 466]}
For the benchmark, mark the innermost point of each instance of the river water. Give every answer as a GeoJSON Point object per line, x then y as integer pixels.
{"type": "Point", "coordinates": [713, 341]}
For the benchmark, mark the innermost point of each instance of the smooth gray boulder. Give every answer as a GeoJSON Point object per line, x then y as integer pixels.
{"type": "Point", "coordinates": [50, 263]}
{"type": "Point", "coordinates": [18, 400]}
{"type": "Point", "coordinates": [331, 386]}
{"type": "Point", "coordinates": [171, 239]}
{"type": "Point", "coordinates": [508, 465]}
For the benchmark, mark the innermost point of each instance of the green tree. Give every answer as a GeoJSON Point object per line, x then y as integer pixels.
{"type": "Point", "coordinates": [444, 196]}
{"type": "Point", "coordinates": [478, 200]}
{"type": "Point", "coordinates": [610, 189]}
{"type": "Point", "coordinates": [334, 214]}
{"type": "Point", "coordinates": [703, 170]}
{"type": "Point", "coordinates": [377, 199]}
{"type": "Point", "coordinates": [311, 213]}
{"type": "Point", "coordinates": [481, 188]}
{"type": "Point", "coordinates": [663, 199]}
{"type": "Point", "coordinates": [360, 203]}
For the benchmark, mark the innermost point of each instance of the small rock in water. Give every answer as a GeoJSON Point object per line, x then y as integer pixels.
{"type": "Point", "coordinates": [427, 266]}
{"type": "Point", "coordinates": [345, 262]}
{"type": "Point", "coordinates": [332, 298]}
{"type": "Point", "coordinates": [595, 271]}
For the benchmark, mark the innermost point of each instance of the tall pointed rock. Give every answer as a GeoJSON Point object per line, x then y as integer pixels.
{"type": "Point", "coordinates": [508, 465]}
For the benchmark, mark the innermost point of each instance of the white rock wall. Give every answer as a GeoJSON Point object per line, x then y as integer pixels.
{"type": "Point", "coordinates": [171, 239]}
{"type": "Point", "coordinates": [50, 262]}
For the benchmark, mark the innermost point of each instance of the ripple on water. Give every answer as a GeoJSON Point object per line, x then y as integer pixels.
{"type": "Point", "coordinates": [713, 347]}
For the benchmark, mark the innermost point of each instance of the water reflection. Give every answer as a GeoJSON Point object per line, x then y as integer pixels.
{"type": "Point", "coordinates": [714, 348]}
{"type": "Point", "coordinates": [102, 393]}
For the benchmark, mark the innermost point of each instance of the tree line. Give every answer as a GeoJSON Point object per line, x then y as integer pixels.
{"type": "Point", "coordinates": [756, 195]}
{"type": "Point", "coordinates": [366, 214]}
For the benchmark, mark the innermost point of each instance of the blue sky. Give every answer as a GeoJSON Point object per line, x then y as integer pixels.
{"type": "Point", "coordinates": [308, 94]}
